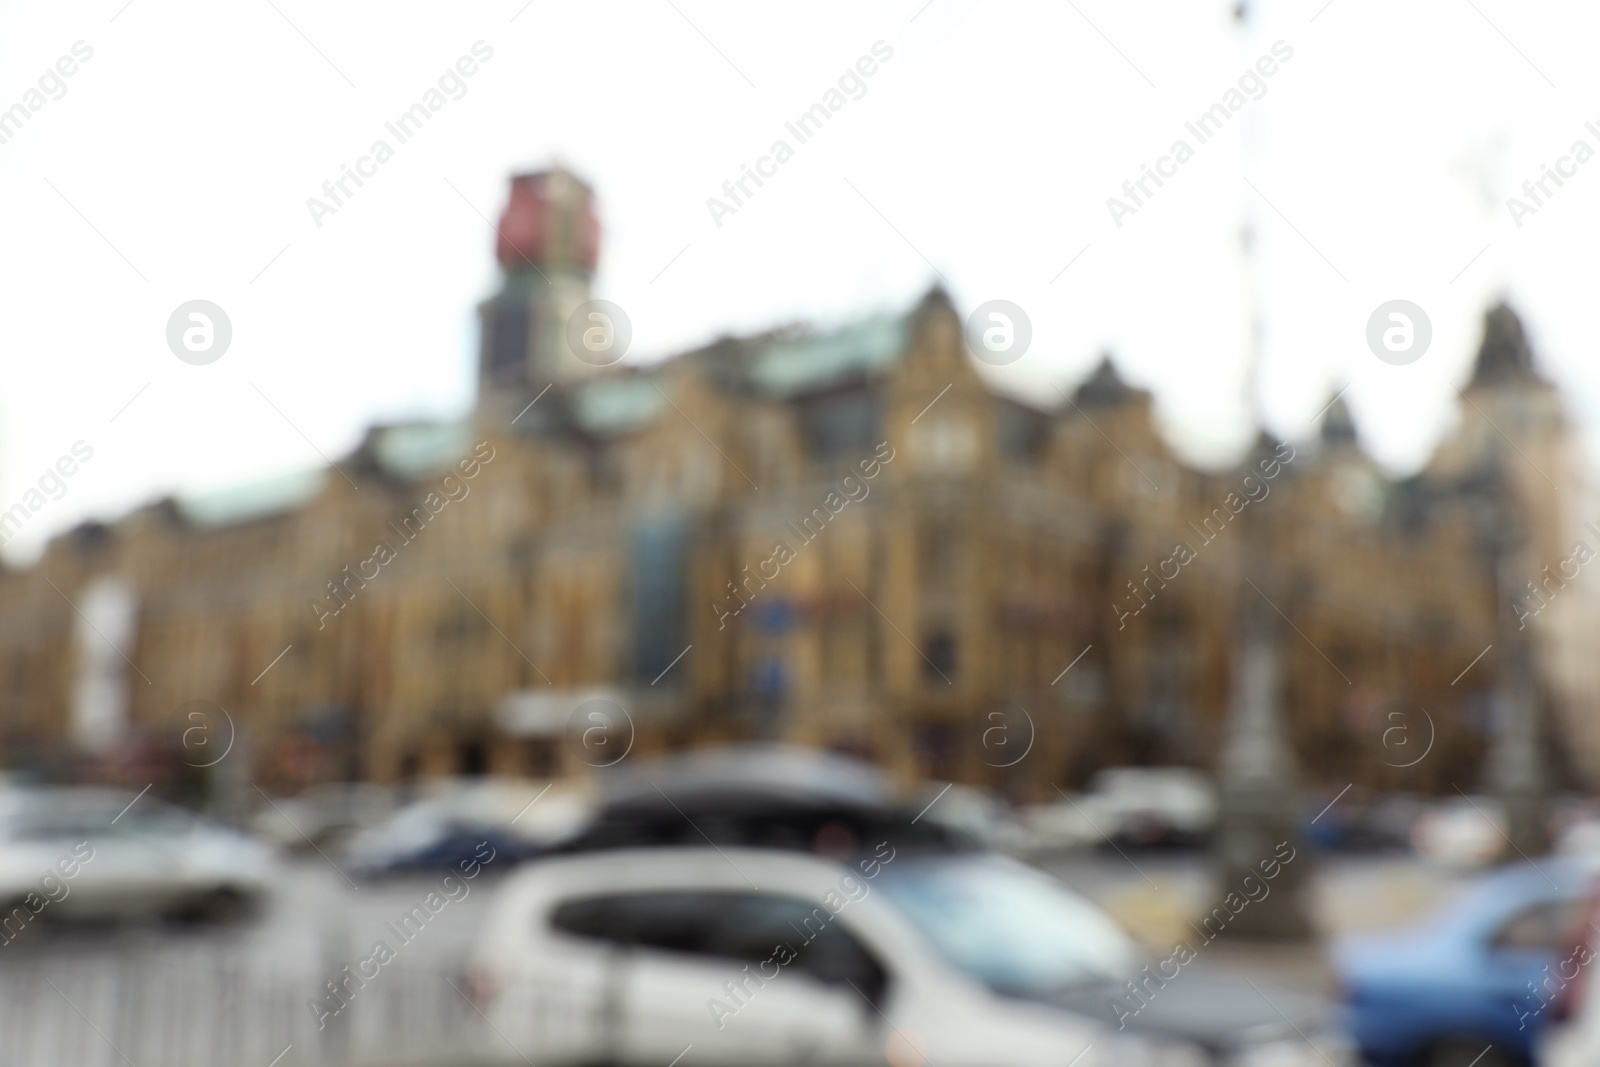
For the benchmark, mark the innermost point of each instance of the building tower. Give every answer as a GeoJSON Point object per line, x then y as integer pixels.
{"type": "Point", "coordinates": [547, 243]}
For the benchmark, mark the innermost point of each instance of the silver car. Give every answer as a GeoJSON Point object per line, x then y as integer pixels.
{"type": "Point", "coordinates": [106, 853]}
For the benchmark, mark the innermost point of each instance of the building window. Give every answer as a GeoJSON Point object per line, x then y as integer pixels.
{"type": "Point", "coordinates": [935, 747]}
{"type": "Point", "coordinates": [660, 599]}
{"type": "Point", "coordinates": [508, 342]}
{"type": "Point", "coordinates": [937, 557]}
{"type": "Point", "coordinates": [540, 757]}
{"type": "Point", "coordinates": [939, 657]}
{"type": "Point", "coordinates": [842, 423]}
{"type": "Point", "coordinates": [473, 759]}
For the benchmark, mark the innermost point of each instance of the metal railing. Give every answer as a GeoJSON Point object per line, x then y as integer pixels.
{"type": "Point", "coordinates": [186, 1010]}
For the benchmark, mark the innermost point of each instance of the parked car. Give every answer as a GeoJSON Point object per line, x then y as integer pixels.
{"type": "Point", "coordinates": [323, 816]}
{"type": "Point", "coordinates": [1156, 805]}
{"type": "Point", "coordinates": [775, 905]}
{"type": "Point", "coordinates": [1461, 833]}
{"type": "Point", "coordinates": [1352, 824]}
{"type": "Point", "coordinates": [1575, 824]}
{"type": "Point", "coordinates": [518, 819]}
{"type": "Point", "coordinates": [1060, 826]}
{"type": "Point", "coordinates": [106, 853]}
{"type": "Point", "coordinates": [760, 795]}
{"type": "Point", "coordinates": [973, 813]}
{"type": "Point", "coordinates": [1128, 806]}
{"type": "Point", "coordinates": [1570, 1036]}
{"type": "Point", "coordinates": [771, 956]}
{"type": "Point", "coordinates": [1464, 984]}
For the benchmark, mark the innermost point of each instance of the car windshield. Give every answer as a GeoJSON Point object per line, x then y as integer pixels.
{"type": "Point", "coordinates": [1015, 929]}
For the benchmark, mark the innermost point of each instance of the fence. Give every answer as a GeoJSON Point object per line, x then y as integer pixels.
{"type": "Point", "coordinates": [186, 1010]}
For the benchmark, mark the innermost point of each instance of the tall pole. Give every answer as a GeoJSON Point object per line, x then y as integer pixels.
{"type": "Point", "coordinates": [1515, 768]}
{"type": "Point", "coordinates": [1258, 823]}
{"type": "Point", "coordinates": [1259, 820]}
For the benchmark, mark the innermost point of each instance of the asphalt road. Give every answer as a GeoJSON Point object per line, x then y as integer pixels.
{"type": "Point", "coordinates": [104, 996]}
{"type": "Point", "coordinates": [318, 921]}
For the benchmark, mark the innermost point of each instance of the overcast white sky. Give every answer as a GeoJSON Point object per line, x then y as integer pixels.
{"type": "Point", "coordinates": [178, 163]}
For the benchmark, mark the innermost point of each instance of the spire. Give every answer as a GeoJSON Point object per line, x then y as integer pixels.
{"type": "Point", "coordinates": [1504, 356]}
{"type": "Point", "coordinates": [1104, 388]}
{"type": "Point", "coordinates": [1338, 428]}
{"type": "Point", "coordinates": [936, 297]}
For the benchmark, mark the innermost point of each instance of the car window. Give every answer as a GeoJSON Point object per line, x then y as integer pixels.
{"type": "Point", "coordinates": [1013, 928]}
{"type": "Point", "coordinates": [751, 928]}
{"type": "Point", "coordinates": [675, 922]}
{"type": "Point", "coordinates": [1548, 927]}
{"type": "Point", "coordinates": [754, 926]}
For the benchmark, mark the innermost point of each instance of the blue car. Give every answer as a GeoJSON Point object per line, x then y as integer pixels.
{"type": "Point", "coordinates": [1474, 984]}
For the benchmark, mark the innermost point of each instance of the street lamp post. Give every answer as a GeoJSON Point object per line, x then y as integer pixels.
{"type": "Point", "coordinates": [1258, 822]}
{"type": "Point", "coordinates": [1515, 769]}
{"type": "Point", "coordinates": [1259, 818]}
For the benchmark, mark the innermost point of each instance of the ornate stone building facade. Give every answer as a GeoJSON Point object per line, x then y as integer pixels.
{"type": "Point", "coordinates": [845, 539]}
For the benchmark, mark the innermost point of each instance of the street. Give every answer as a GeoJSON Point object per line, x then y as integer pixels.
{"type": "Point", "coordinates": [318, 922]}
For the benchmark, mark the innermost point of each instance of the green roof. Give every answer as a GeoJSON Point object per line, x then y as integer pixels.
{"type": "Point", "coordinates": [806, 364]}
{"type": "Point", "coordinates": [253, 500]}
{"type": "Point", "coordinates": [412, 452]}
{"type": "Point", "coordinates": [608, 407]}
{"type": "Point", "coordinates": [422, 449]}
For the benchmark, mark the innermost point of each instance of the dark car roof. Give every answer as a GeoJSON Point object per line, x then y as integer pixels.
{"type": "Point", "coordinates": [758, 796]}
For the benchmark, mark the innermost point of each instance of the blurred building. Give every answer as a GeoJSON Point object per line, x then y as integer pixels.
{"type": "Point", "coordinates": [844, 538]}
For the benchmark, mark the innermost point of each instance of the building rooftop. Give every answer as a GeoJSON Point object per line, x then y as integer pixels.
{"type": "Point", "coordinates": [258, 499]}
{"type": "Point", "coordinates": [810, 363]}
{"type": "Point", "coordinates": [1505, 355]}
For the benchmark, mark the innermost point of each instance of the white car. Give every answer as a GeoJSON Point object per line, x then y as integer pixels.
{"type": "Point", "coordinates": [323, 816]}
{"type": "Point", "coordinates": [68, 852]}
{"type": "Point", "coordinates": [1133, 805]}
{"type": "Point", "coordinates": [747, 956]}
{"type": "Point", "coordinates": [1461, 834]}
{"type": "Point", "coordinates": [1147, 804]}
{"type": "Point", "coordinates": [978, 815]}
